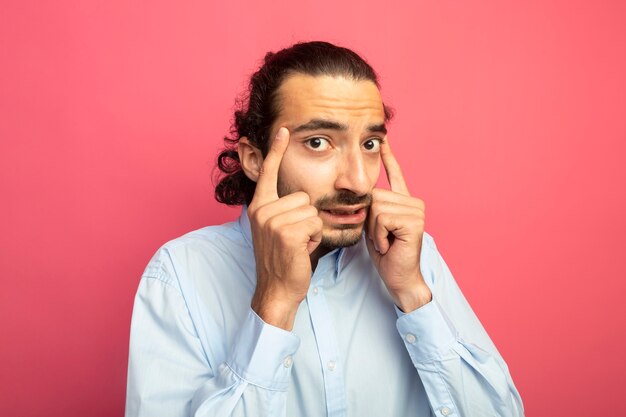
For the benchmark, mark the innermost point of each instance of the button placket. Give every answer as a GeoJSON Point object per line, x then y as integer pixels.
{"type": "Point", "coordinates": [445, 411]}
{"type": "Point", "coordinates": [288, 362]}
{"type": "Point", "coordinates": [325, 338]}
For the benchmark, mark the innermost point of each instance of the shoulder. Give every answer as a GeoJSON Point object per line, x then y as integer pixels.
{"type": "Point", "coordinates": [208, 238]}
{"type": "Point", "coordinates": [196, 250]}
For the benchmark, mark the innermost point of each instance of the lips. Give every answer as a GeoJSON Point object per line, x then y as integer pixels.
{"type": "Point", "coordinates": [345, 215]}
{"type": "Point", "coordinates": [344, 210]}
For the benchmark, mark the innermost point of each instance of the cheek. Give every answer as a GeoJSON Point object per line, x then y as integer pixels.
{"type": "Point", "coordinates": [311, 175]}
{"type": "Point", "coordinates": [373, 169]}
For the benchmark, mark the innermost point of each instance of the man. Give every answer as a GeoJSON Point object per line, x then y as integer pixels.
{"type": "Point", "coordinates": [326, 297]}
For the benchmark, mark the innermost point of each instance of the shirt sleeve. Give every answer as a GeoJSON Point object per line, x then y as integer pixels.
{"type": "Point", "coordinates": [168, 371]}
{"type": "Point", "coordinates": [460, 367]}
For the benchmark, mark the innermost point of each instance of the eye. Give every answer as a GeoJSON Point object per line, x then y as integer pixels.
{"type": "Point", "coordinates": [317, 144]}
{"type": "Point", "coordinates": [373, 145]}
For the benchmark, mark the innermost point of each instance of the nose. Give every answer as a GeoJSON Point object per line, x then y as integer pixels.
{"type": "Point", "coordinates": [352, 173]}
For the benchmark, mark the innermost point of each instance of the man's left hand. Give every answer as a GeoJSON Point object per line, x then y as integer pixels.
{"type": "Point", "coordinates": [395, 229]}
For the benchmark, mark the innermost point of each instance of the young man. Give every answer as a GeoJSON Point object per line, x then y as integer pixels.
{"type": "Point", "coordinates": [326, 297]}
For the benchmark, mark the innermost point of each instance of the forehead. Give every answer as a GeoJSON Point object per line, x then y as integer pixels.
{"type": "Point", "coordinates": [304, 97]}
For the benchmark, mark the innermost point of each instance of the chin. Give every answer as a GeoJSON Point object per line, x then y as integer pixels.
{"type": "Point", "coordinates": [342, 237]}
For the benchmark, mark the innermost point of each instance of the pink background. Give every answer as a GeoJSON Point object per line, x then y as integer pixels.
{"type": "Point", "coordinates": [511, 125]}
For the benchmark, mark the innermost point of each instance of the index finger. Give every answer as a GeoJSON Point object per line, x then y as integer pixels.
{"type": "Point", "coordinates": [267, 183]}
{"type": "Point", "coordinates": [393, 170]}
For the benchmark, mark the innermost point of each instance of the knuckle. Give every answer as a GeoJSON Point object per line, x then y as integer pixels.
{"type": "Point", "coordinates": [302, 197]}
{"type": "Point", "coordinates": [418, 221]}
{"type": "Point", "coordinates": [284, 234]}
{"type": "Point", "coordinates": [317, 222]}
{"type": "Point", "coordinates": [311, 211]}
{"type": "Point", "coordinates": [259, 216]}
{"type": "Point", "coordinates": [272, 224]}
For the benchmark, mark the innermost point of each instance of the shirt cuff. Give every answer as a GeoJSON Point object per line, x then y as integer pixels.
{"type": "Point", "coordinates": [426, 333]}
{"type": "Point", "coordinates": [262, 354]}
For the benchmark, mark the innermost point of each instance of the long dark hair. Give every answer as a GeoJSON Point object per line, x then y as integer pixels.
{"type": "Point", "coordinates": [258, 110]}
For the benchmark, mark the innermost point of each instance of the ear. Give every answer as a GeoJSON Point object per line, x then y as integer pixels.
{"type": "Point", "coordinates": [250, 158]}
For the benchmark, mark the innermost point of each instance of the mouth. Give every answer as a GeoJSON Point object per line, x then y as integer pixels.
{"type": "Point", "coordinates": [343, 212]}
{"type": "Point", "coordinates": [345, 215]}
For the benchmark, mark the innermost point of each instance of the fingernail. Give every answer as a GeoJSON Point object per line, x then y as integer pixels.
{"type": "Point", "coordinates": [281, 132]}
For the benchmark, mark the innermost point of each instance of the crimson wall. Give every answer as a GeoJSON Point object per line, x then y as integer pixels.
{"type": "Point", "coordinates": [511, 125]}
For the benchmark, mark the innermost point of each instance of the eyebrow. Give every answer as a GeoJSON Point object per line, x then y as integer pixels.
{"type": "Point", "coordinates": [324, 124]}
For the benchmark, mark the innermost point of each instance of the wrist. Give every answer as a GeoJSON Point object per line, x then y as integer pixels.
{"type": "Point", "coordinates": [412, 299]}
{"type": "Point", "coordinates": [275, 311]}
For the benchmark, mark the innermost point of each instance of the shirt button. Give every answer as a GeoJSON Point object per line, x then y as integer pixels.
{"type": "Point", "coordinates": [315, 290]}
{"type": "Point", "coordinates": [410, 337]}
{"type": "Point", "coordinates": [331, 365]}
{"type": "Point", "coordinates": [445, 411]}
{"type": "Point", "coordinates": [288, 362]}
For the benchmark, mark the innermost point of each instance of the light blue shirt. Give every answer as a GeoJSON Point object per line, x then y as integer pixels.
{"type": "Point", "coordinates": [198, 349]}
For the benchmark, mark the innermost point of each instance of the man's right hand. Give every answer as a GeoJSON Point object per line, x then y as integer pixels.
{"type": "Point", "coordinates": [285, 231]}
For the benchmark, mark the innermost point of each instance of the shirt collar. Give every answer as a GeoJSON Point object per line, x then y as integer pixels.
{"type": "Point", "coordinates": [244, 224]}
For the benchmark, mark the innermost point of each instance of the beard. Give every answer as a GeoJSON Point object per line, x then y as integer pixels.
{"type": "Point", "coordinates": [340, 235]}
